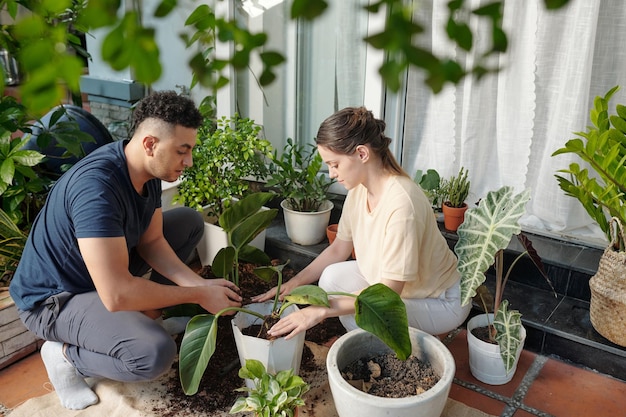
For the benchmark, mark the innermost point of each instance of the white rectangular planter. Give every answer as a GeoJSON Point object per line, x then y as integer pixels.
{"type": "Point", "coordinates": [276, 355]}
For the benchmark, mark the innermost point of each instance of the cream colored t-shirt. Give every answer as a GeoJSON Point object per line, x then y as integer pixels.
{"type": "Point", "coordinates": [399, 239]}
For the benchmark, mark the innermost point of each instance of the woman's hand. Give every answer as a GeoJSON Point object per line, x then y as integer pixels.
{"type": "Point", "coordinates": [285, 289]}
{"type": "Point", "coordinates": [298, 321]}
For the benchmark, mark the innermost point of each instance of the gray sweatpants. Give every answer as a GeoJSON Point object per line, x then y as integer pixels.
{"type": "Point", "coordinates": [122, 345]}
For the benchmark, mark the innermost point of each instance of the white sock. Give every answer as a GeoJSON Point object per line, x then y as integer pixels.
{"type": "Point", "coordinates": [71, 388]}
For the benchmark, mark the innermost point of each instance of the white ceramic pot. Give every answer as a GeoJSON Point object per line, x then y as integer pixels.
{"type": "Point", "coordinates": [168, 192]}
{"type": "Point", "coordinates": [276, 355]}
{"type": "Point", "coordinates": [215, 238]}
{"type": "Point", "coordinates": [350, 401]}
{"type": "Point", "coordinates": [306, 228]}
{"type": "Point", "coordinates": [484, 358]}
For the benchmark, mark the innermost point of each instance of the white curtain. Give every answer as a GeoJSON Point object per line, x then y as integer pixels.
{"type": "Point", "coordinates": [505, 127]}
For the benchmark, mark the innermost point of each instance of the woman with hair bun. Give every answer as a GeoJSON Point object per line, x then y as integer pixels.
{"type": "Point", "coordinates": [389, 222]}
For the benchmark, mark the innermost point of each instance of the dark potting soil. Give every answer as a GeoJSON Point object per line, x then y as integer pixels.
{"type": "Point", "coordinates": [217, 387]}
{"type": "Point", "coordinates": [482, 333]}
{"type": "Point", "coordinates": [387, 376]}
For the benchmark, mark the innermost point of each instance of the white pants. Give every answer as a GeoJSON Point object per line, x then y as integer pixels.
{"type": "Point", "coordinates": [435, 316]}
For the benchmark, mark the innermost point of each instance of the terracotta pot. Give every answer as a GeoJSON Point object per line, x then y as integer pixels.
{"type": "Point", "coordinates": [453, 216]}
{"type": "Point", "coordinates": [331, 234]}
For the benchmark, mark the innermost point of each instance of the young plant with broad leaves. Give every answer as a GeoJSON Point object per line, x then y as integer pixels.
{"type": "Point", "coordinates": [378, 309]}
{"type": "Point", "coordinates": [273, 395]}
{"type": "Point", "coordinates": [483, 237]}
{"type": "Point", "coordinates": [242, 222]}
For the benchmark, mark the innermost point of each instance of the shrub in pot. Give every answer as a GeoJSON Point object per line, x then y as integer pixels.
{"type": "Point", "coordinates": [306, 207]}
{"type": "Point", "coordinates": [483, 236]}
{"type": "Point", "coordinates": [454, 206]}
{"type": "Point", "coordinates": [229, 154]}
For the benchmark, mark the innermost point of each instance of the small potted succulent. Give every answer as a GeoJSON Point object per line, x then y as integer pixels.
{"type": "Point", "coordinates": [306, 207]}
{"type": "Point", "coordinates": [272, 394]}
{"type": "Point", "coordinates": [454, 206]}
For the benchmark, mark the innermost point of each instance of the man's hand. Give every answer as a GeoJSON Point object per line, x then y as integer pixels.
{"type": "Point", "coordinates": [218, 294]}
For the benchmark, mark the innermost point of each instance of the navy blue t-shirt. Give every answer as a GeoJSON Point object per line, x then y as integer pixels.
{"type": "Point", "coordinates": [93, 199]}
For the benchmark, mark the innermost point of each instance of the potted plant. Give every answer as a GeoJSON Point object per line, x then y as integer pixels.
{"type": "Point", "coordinates": [483, 236]}
{"type": "Point", "coordinates": [600, 187]}
{"type": "Point", "coordinates": [454, 206]}
{"type": "Point", "coordinates": [306, 207]}
{"type": "Point", "coordinates": [435, 188]}
{"type": "Point", "coordinates": [229, 154]}
{"type": "Point", "coordinates": [273, 394]}
{"type": "Point", "coordinates": [379, 310]}
{"type": "Point", "coordinates": [361, 345]}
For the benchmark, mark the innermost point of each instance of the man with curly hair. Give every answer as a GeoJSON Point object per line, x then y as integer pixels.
{"type": "Point", "coordinates": [79, 284]}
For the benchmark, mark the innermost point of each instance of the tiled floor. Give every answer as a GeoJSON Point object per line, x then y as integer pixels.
{"type": "Point", "coordinates": [541, 387]}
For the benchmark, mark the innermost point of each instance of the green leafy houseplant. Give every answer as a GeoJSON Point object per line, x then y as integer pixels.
{"type": "Point", "coordinates": [242, 222]}
{"type": "Point", "coordinates": [295, 174]}
{"type": "Point", "coordinates": [435, 187]}
{"type": "Point", "coordinates": [378, 309]}
{"type": "Point", "coordinates": [24, 182]}
{"type": "Point", "coordinates": [601, 188]}
{"type": "Point", "coordinates": [457, 189]}
{"type": "Point", "coordinates": [12, 241]}
{"type": "Point", "coordinates": [483, 236]}
{"type": "Point", "coordinates": [273, 395]}
{"type": "Point", "coordinates": [229, 153]}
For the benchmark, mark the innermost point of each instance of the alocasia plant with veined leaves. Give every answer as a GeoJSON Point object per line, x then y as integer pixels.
{"type": "Point", "coordinates": [483, 236]}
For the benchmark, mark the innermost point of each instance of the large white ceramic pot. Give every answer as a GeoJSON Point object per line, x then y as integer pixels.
{"type": "Point", "coordinates": [276, 355]}
{"type": "Point", "coordinates": [350, 401]}
{"type": "Point", "coordinates": [306, 228]}
{"type": "Point", "coordinates": [485, 361]}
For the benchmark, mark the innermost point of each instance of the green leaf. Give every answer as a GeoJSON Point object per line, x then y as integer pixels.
{"type": "Point", "coordinates": [308, 9]}
{"type": "Point", "coordinates": [196, 349]}
{"type": "Point", "coordinates": [222, 265]}
{"type": "Point", "coordinates": [508, 325]}
{"type": "Point", "coordinates": [272, 58]}
{"type": "Point", "coordinates": [165, 7]}
{"type": "Point", "coordinates": [555, 4]}
{"type": "Point", "coordinates": [243, 209]}
{"type": "Point", "coordinates": [381, 311]}
{"type": "Point", "coordinates": [253, 255]}
{"type": "Point", "coordinates": [308, 295]}
{"type": "Point", "coordinates": [486, 230]}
